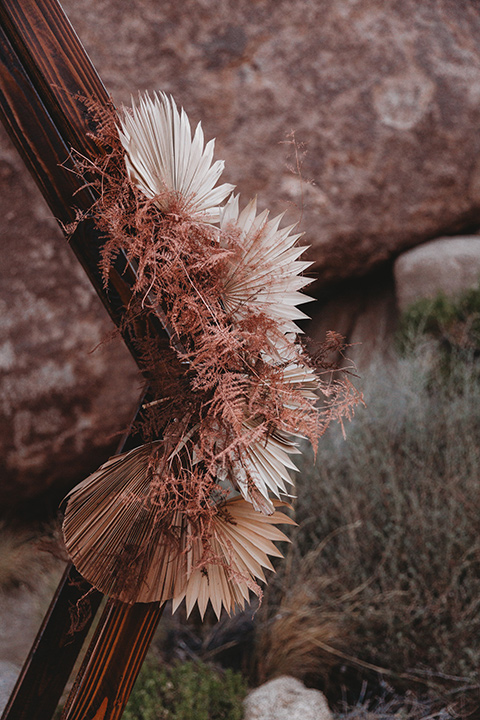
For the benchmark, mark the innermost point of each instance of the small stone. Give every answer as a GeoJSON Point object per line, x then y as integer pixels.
{"type": "Point", "coordinates": [448, 265]}
{"type": "Point", "coordinates": [286, 698]}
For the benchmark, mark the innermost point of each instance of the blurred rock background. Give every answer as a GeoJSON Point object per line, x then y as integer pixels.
{"type": "Point", "coordinates": [360, 117]}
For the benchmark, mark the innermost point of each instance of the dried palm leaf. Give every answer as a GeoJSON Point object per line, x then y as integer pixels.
{"type": "Point", "coordinates": [163, 160]}
{"type": "Point", "coordinates": [125, 547]}
{"type": "Point", "coordinates": [265, 273]}
{"type": "Point", "coordinates": [265, 463]}
{"type": "Point", "coordinates": [242, 539]}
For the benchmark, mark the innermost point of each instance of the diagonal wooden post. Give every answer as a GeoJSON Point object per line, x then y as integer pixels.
{"type": "Point", "coordinates": [113, 661]}
{"type": "Point", "coordinates": [54, 652]}
{"type": "Point", "coordinates": [56, 647]}
{"type": "Point", "coordinates": [43, 71]}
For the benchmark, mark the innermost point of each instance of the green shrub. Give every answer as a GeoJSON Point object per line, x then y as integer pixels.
{"type": "Point", "coordinates": [453, 323]}
{"type": "Point", "coordinates": [187, 691]}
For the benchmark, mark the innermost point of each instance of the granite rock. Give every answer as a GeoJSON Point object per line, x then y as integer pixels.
{"type": "Point", "coordinates": [359, 116]}
{"type": "Point", "coordinates": [383, 99]}
{"type": "Point", "coordinates": [63, 395]}
{"type": "Point", "coordinates": [286, 698]}
{"type": "Point", "coordinates": [448, 265]}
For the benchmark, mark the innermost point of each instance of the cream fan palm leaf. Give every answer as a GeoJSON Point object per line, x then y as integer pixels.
{"type": "Point", "coordinates": [164, 161]}
{"type": "Point", "coordinates": [265, 463]}
{"type": "Point", "coordinates": [115, 540]}
{"type": "Point", "coordinates": [266, 273]}
{"type": "Point", "coordinates": [112, 536]}
{"type": "Point", "coordinates": [263, 468]}
{"type": "Point", "coordinates": [242, 540]}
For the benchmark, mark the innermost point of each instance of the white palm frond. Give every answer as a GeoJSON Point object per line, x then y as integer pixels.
{"type": "Point", "coordinates": [303, 379]}
{"type": "Point", "coordinates": [163, 159]}
{"type": "Point", "coordinates": [241, 543]}
{"type": "Point", "coordinates": [265, 463]}
{"type": "Point", "coordinates": [264, 468]}
{"type": "Point", "coordinates": [266, 274]}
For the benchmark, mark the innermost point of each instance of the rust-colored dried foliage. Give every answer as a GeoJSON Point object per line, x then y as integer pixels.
{"type": "Point", "coordinates": [215, 374]}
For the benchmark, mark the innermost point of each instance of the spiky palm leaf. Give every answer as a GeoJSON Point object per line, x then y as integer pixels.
{"type": "Point", "coordinates": [266, 273]}
{"type": "Point", "coordinates": [118, 542]}
{"type": "Point", "coordinates": [165, 162]}
{"type": "Point", "coordinates": [242, 541]}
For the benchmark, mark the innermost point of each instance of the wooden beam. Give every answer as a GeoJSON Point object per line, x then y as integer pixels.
{"type": "Point", "coordinates": [112, 663]}
{"type": "Point", "coordinates": [57, 65]}
{"type": "Point", "coordinates": [44, 72]}
{"type": "Point", "coordinates": [54, 652]}
{"type": "Point", "coordinates": [39, 142]}
{"type": "Point", "coordinates": [61, 636]}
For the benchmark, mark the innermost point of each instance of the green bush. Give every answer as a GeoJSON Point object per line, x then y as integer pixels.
{"type": "Point", "coordinates": [453, 323]}
{"type": "Point", "coordinates": [187, 691]}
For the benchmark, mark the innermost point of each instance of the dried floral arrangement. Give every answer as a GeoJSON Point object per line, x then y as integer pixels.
{"type": "Point", "coordinates": [193, 512]}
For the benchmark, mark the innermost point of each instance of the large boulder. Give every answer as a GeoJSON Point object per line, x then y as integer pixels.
{"type": "Point", "coordinates": [364, 311]}
{"type": "Point", "coordinates": [384, 102]}
{"type": "Point", "coordinates": [63, 398]}
{"type": "Point", "coordinates": [384, 98]}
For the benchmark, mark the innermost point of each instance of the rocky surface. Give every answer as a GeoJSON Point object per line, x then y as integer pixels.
{"type": "Point", "coordinates": [21, 612]}
{"type": "Point", "coordinates": [384, 103]}
{"type": "Point", "coordinates": [447, 265]}
{"type": "Point", "coordinates": [364, 311]}
{"type": "Point", "coordinates": [383, 97]}
{"type": "Point", "coordinates": [61, 400]}
{"type": "Point", "coordinates": [8, 677]}
{"type": "Point", "coordinates": [286, 698]}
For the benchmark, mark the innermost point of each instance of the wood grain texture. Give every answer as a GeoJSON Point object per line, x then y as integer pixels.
{"type": "Point", "coordinates": [57, 64]}
{"type": "Point", "coordinates": [58, 643]}
{"type": "Point", "coordinates": [113, 661]}
{"type": "Point", "coordinates": [36, 137]}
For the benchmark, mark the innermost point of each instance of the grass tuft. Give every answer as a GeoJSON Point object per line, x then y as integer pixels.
{"type": "Point", "coordinates": [384, 570]}
{"type": "Point", "coordinates": [453, 323]}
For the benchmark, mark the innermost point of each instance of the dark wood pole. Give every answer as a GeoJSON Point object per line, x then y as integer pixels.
{"type": "Point", "coordinates": [112, 663]}
{"type": "Point", "coordinates": [54, 652]}
{"type": "Point", "coordinates": [43, 72]}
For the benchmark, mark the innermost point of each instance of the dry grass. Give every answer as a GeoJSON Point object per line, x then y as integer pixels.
{"type": "Point", "coordinates": [26, 555]}
{"type": "Point", "coordinates": [299, 640]}
{"type": "Point", "coordinates": [384, 576]}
